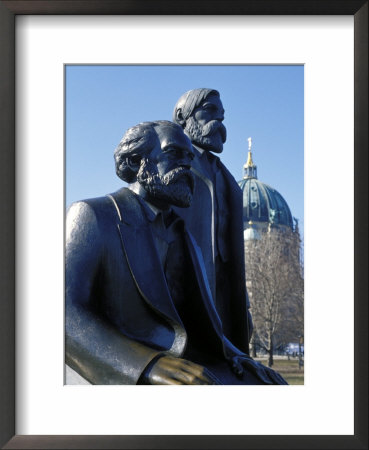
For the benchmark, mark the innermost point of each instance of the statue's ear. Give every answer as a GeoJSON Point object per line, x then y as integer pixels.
{"type": "Point", "coordinates": [133, 162]}
{"type": "Point", "coordinates": [179, 117]}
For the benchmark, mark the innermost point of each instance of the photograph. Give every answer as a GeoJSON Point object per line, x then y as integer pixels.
{"type": "Point", "coordinates": [184, 239]}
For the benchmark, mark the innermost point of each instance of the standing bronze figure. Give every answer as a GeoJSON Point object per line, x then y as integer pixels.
{"type": "Point", "coordinates": [215, 215]}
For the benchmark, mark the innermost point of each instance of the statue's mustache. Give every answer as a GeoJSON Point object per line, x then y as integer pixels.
{"type": "Point", "coordinates": [213, 127]}
{"type": "Point", "coordinates": [149, 176]}
{"type": "Point", "coordinates": [177, 173]}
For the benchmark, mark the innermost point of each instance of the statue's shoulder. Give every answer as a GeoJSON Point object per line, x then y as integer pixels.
{"type": "Point", "coordinates": [95, 211]}
{"type": "Point", "coordinates": [232, 182]}
{"type": "Point", "coordinates": [87, 207]}
{"type": "Point", "coordinates": [90, 220]}
{"type": "Point", "coordinates": [82, 219]}
{"type": "Point", "coordinates": [224, 170]}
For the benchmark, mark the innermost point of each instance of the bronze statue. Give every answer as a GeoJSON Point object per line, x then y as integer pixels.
{"type": "Point", "coordinates": [139, 309]}
{"type": "Point", "coordinates": [218, 198]}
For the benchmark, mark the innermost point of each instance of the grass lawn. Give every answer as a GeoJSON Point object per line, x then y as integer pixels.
{"type": "Point", "coordinates": [288, 369]}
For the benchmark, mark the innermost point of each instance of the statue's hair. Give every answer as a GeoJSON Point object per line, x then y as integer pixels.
{"type": "Point", "coordinates": [191, 100]}
{"type": "Point", "coordinates": [137, 142]}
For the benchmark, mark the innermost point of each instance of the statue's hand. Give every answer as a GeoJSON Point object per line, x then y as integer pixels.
{"type": "Point", "coordinates": [170, 370]}
{"type": "Point", "coordinates": [265, 374]}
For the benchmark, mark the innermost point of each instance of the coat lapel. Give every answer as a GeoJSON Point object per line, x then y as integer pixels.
{"type": "Point", "coordinates": [200, 273]}
{"type": "Point", "coordinates": [144, 263]}
{"type": "Point", "coordinates": [229, 350]}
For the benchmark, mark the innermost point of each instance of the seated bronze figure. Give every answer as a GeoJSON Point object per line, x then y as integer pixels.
{"type": "Point", "coordinates": [139, 308]}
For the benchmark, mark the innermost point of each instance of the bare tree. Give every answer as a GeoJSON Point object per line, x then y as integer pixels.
{"type": "Point", "coordinates": [275, 285]}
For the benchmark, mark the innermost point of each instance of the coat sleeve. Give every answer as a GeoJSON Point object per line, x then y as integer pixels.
{"type": "Point", "coordinates": [94, 347]}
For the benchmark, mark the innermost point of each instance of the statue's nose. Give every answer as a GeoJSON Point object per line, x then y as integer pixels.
{"type": "Point", "coordinates": [220, 117]}
{"type": "Point", "coordinates": [185, 163]}
{"type": "Point", "coordinates": [186, 159]}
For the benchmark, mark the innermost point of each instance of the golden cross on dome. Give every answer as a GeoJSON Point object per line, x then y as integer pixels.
{"type": "Point", "coordinates": [249, 162]}
{"type": "Point", "coordinates": [249, 168]}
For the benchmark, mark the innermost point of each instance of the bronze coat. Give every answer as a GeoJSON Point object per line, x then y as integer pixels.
{"type": "Point", "coordinates": [202, 222]}
{"type": "Point", "coordinates": [119, 313]}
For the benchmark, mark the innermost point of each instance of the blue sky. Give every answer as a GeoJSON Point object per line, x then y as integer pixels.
{"type": "Point", "coordinates": [264, 102]}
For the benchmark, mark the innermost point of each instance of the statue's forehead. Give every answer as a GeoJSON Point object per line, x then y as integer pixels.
{"type": "Point", "coordinates": [166, 131]}
{"type": "Point", "coordinates": [212, 99]}
{"type": "Point", "coordinates": [171, 135]}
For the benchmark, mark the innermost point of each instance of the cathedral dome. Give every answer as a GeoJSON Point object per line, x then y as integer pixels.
{"type": "Point", "coordinates": [262, 203]}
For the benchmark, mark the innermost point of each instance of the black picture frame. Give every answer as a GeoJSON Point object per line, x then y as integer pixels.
{"type": "Point", "coordinates": [8, 11]}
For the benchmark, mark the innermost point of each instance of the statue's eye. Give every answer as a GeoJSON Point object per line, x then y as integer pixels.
{"type": "Point", "coordinates": [173, 151]}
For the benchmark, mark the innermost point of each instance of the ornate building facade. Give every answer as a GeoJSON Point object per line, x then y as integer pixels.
{"type": "Point", "coordinates": [274, 271]}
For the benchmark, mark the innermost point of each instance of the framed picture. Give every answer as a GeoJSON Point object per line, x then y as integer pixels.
{"type": "Point", "coordinates": [141, 427]}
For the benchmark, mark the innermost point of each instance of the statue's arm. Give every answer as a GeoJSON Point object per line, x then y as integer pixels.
{"type": "Point", "coordinates": [94, 347]}
{"type": "Point", "coordinates": [100, 353]}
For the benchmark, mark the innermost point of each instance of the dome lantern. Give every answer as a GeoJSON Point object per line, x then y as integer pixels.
{"type": "Point", "coordinates": [249, 169]}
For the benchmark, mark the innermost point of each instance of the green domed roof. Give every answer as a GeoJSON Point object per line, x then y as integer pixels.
{"type": "Point", "coordinates": [262, 203]}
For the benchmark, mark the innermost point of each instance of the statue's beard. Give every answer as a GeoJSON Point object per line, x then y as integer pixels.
{"type": "Point", "coordinates": [174, 188]}
{"type": "Point", "coordinates": [211, 136]}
